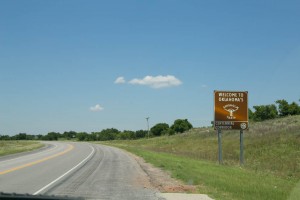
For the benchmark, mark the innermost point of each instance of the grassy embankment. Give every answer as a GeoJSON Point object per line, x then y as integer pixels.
{"type": "Point", "coordinates": [272, 160]}
{"type": "Point", "coordinates": [13, 146]}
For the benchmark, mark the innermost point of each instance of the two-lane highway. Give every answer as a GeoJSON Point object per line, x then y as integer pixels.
{"type": "Point", "coordinates": [76, 169]}
{"type": "Point", "coordinates": [31, 173]}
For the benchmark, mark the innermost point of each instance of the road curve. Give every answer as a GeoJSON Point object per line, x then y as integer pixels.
{"type": "Point", "coordinates": [29, 173]}
{"type": "Point", "coordinates": [77, 169]}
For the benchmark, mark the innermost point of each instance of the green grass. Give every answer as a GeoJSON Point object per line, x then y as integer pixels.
{"type": "Point", "coordinates": [220, 182]}
{"type": "Point", "coordinates": [12, 146]}
{"type": "Point", "coordinates": [272, 159]}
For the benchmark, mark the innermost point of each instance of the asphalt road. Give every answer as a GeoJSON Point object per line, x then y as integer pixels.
{"type": "Point", "coordinates": [76, 169]}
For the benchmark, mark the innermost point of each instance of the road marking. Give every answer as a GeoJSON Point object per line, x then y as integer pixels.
{"type": "Point", "coordinates": [37, 161]}
{"type": "Point", "coordinates": [65, 174]}
{"type": "Point", "coordinates": [38, 153]}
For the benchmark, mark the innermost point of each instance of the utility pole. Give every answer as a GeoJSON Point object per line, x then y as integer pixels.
{"type": "Point", "coordinates": [147, 118]}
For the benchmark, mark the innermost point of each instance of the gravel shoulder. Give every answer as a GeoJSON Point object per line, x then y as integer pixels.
{"type": "Point", "coordinates": [161, 179]}
{"type": "Point", "coordinates": [170, 188]}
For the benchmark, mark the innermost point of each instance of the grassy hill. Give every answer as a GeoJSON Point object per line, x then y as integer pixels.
{"type": "Point", "coordinates": [272, 159]}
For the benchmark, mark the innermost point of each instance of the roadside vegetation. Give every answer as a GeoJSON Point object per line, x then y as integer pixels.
{"type": "Point", "coordinates": [271, 146]}
{"type": "Point", "coordinates": [272, 152]}
{"type": "Point", "coordinates": [179, 126]}
{"type": "Point", "coordinates": [14, 146]}
{"type": "Point", "coordinates": [272, 111]}
{"type": "Point", "coordinates": [261, 113]}
{"type": "Point", "coordinates": [272, 159]}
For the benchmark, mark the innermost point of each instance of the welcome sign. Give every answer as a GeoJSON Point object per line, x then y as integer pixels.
{"type": "Point", "coordinates": [231, 110]}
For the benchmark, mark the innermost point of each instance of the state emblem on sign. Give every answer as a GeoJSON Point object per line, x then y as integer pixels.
{"type": "Point", "coordinates": [231, 108]}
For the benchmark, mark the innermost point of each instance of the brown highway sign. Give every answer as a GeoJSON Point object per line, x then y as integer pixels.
{"type": "Point", "coordinates": [231, 110]}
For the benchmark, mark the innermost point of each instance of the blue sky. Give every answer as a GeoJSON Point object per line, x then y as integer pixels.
{"type": "Point", "coordinates": [59, 61]}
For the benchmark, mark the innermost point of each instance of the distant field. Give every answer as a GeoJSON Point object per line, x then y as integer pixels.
{"type": "Point", "coordinates": [11, 147]}
{"type": "Point", "coordinates": [272, 159]}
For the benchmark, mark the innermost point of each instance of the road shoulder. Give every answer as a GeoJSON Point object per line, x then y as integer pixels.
{"type": "Point", "coordinates": [170, 188]}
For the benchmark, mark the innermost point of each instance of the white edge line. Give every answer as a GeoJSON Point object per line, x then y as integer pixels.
{"type": "Point", "coordinates": [62, 176]}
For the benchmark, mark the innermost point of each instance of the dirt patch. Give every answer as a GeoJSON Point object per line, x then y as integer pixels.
{"type": "Point", "coordinates": [162, 180]}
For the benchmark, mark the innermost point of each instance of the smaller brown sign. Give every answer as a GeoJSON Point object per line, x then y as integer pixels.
{"type": "Point", "coordinates": [231, 110]}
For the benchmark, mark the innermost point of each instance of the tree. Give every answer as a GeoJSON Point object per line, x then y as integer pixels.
{"type": "Point", "coordinates": [82, 136]}
{"type": "Point", "coordinates": [283, 107]}
{"type": "Point", "coordinates": [69, 134]}
{"type": "Point", "coordinates": [21, 136]}
{"type": "Point", "coordinates": [294, 109]}
{"type": "Point", "coordinates": [127, 135]}
{"type": "Point", "coordinates": [30, 137]}
{"type": "Point", "coordinates": [93, 136]}
{"type": "Point", "coordinates": [168, 132]}
{"type": "Point", "coordinates": [286, 109]}
{"type": "Point", "coordinates": [39, 137]}
{"type": "Point", "coordinates": [141, 133]}
{"type": "Point", "coordinates": [250, 114]}
{"type": "Point", "coordinates": [265, 112]}
{"type": "Point", "coordinates": [130, 135]}
{"type": "Point", "coordinates": [52, 136]}
{"type": "Point", "coordinates": [4, 137]}
{"type": "Point", "coordinates": [159, 128]}
{"type": "Point", "coordinates": [181, 125]}
{"type": "Point", "coordinates": [108, 134]}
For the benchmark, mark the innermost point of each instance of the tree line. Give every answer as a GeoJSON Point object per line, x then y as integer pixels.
{"type": "Point", "coordinates": [281, 108]}
{"type": "Point", "coordinates": [179, 126]}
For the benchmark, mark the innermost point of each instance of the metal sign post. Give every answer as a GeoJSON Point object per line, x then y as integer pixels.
{"type": "Point", "coordinates": [241, 147]}
{"type": "Point", "coordinates": [220, 146]}
{"type": "Point", "coordinates": [147, 118]}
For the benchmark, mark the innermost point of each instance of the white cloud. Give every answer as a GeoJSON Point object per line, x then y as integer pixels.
{"type": "Point", "coordinates": [157, 81]}
{"type": "Point", "coordinates": [120, 80]}
{"type": "Point", "coordinates": [96, 108]}
{"type": "Point", "coordinates": [204, 86]}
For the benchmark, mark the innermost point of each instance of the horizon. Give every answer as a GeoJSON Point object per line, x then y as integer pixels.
{"type": "Point", "coordinates": [88, 66]}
